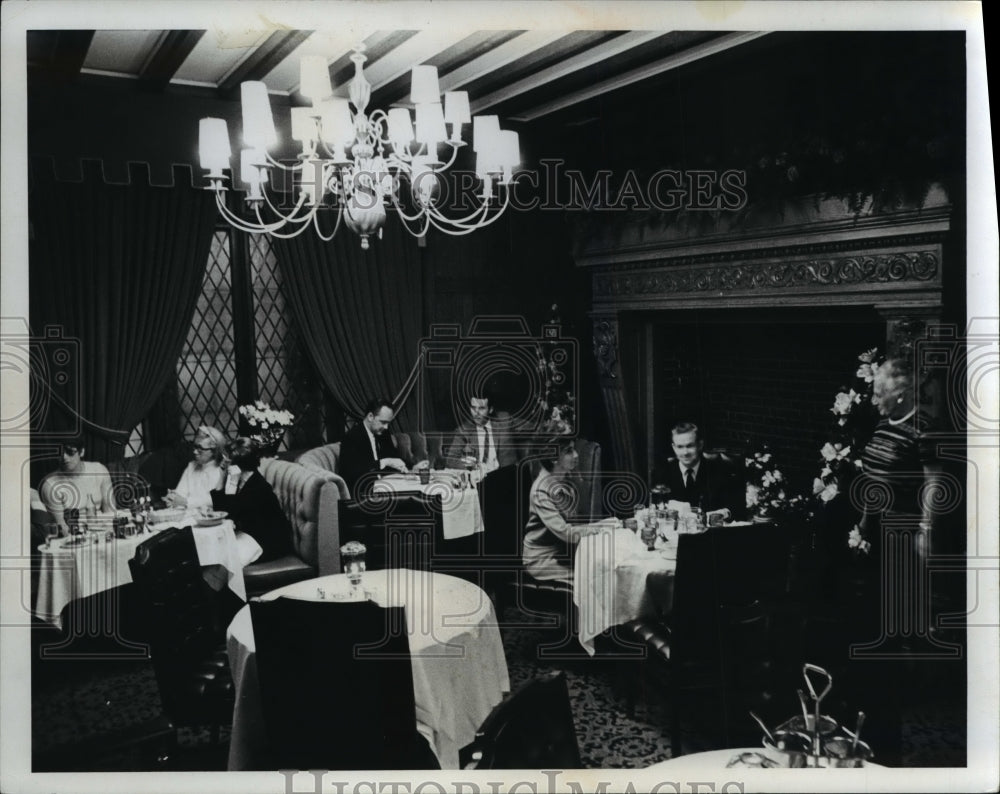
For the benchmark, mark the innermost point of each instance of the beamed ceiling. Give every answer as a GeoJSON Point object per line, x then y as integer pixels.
{"type": "Point", "coordinates": [521, 75]}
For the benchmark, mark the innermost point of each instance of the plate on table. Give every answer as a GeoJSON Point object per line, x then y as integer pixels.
{"type": "Point", "coordinates": [212, 519]}
{"type": "Point", "coordinates": [73, 543]}
{"type": "Point", "coordinates": [167, 515]}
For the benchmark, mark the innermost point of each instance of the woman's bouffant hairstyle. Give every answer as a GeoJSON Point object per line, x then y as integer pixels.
{"type": "Point", "coordinates": [562, 445]}
{"type": "Point", "coordinates": [206, 433]}
{"type": "Point", "coordinates": [245, 453]}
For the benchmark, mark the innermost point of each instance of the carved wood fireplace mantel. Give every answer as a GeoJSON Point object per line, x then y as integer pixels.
{"type": "Point", "coordinates": [811, 254]}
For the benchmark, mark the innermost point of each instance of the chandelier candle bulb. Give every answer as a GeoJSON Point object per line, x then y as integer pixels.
{"type": "Point", "coordinates": [258, 123]}
{"type": "Point", "coordinates": [304, 128]}
{"type": "Point", "coordinates": [424, 85]}
{"type": "Point", "coordinates": [214, 149]}
{"type": "Point", "coordinates": [456, 112]}
{"type": "Point", "coordinates": [338, 126]}
{"type": "Point", "coordinates": [314, 78]}
{"type": "Point", "coordinates": [400, 128]}
{"type": "Point", "coordinates": [430, 125]}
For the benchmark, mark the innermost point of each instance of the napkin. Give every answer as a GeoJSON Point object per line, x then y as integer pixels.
{"type": "Point", "coordinates": [682, 508]}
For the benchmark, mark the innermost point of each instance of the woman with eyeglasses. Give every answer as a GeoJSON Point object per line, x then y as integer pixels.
{"type": "Point", "coordinates": [208, 456]}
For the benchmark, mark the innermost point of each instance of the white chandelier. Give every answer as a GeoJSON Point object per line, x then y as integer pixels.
{"type": "Point", "coordinates": [356, 163]}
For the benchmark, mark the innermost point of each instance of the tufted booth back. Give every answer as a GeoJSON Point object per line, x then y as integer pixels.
{"type": "Point", "coordinates": [299, 491]}
{"type": "Point", "coordinates": [326, 457]}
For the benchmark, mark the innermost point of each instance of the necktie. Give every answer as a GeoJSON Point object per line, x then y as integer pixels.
{"type": "Point", "coordinates": [486, 445]}
{"type": "Point", "coordinates": [689, 474]}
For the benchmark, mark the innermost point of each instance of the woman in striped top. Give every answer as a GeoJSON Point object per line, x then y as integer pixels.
{"type": "Point", "coordinates": [899, 462]}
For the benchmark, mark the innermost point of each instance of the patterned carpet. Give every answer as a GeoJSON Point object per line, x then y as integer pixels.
{"type": "Point", "coordinates": [73, 700]}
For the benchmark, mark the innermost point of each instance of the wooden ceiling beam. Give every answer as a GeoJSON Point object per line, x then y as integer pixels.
{"type": "Point", "coordinates": [166, 59]}
{"type": "Point", "coordinates": [635, 75]}
{"type": "Point", "coordinates": [278, 46]}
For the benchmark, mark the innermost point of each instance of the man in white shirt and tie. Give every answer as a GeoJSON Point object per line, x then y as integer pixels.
{"type": "Point", "coordinates": [484, 439]}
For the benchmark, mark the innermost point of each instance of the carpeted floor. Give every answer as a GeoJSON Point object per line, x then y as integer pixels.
{"type": "Point", "coordinates": [73, 700]}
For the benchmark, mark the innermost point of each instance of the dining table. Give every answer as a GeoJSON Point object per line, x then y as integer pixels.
{"type": "Point", "coordinates": [458, 664]}
{"type": "Point", "coordinates": [617, 577]}
{"type": "Point", "coordinates": [461, 514]}
{"type": "Point", "coordinates": [733, 758]}
{"type": "Point", "coordinates": [82, 565]}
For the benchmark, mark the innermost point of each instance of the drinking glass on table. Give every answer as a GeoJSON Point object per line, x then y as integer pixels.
{"type": "Point", "coordinates": [51, 534]}
{"type": "Point", "coordinates": [352, 557]}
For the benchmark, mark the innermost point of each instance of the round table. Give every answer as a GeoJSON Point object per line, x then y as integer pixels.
{"type": "Point", "coordinates": [719, 759]}
{"type": "Point", "coordinates": [459, 669]}
{"type": "Point", "coordinates": [74, 568]}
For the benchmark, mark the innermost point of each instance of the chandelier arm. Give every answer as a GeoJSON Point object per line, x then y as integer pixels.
{"type": "Point", "coordinates": [405, 220]}
{"type": "Point", "coordinates": [303, 224]}
{"type": "Point", "coordinates": [241, 223]}
{"type": "Point", "coordinates": [451, 161]}
{"type": "Point", "coordinates": [461, 231]}
{"type": "Point", "coordinates": [279, 164]}
{"type": "Point", "coordinates": [469, 221]}
{"type": "Point", "coordinates": [292, 216]}
{"type": "Point", "coordinates": [336, 226]}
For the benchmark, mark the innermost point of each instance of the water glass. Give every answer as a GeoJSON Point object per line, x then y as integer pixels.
{"type": "Point", "coordinates": [352, 557]}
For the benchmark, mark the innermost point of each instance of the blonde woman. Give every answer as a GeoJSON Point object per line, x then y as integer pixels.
{"type": "Point", "coordinates": [202, 474]}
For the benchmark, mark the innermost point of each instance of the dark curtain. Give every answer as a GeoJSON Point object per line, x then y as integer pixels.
{"type": "Point", "coordinates": [118, 268]}
{"type": "Point", "coordinates": [360, 312]}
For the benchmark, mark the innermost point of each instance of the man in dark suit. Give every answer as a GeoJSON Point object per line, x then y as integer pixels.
{"type": "Point", "coordinates": [485, 436]}
{"type": "Point", "coordinates": [708, 483]}
{"type": "Point", "coordinates": [369, 447]}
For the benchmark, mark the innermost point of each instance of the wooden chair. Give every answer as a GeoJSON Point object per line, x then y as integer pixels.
{"type": "Point", "coordinates": [713, 644]}
{"type": "Point", "coordinates": [531, 729]}
{"type": "Point", "coordinates": [336, 686]}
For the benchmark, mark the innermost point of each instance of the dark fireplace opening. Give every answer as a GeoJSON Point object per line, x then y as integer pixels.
{"type": "Point", "coordinates": [754, 377]}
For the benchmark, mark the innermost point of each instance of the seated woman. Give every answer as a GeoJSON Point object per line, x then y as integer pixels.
{"type": "Point", "coordinates": [548, 535]}
{"type": "Point", "coordinates": [251, 503]}
{"type": "Point", "coordinates": [202, 473]}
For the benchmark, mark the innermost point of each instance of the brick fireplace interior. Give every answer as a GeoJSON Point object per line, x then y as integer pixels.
{"type": "Point", "coordinates": [748, 377]}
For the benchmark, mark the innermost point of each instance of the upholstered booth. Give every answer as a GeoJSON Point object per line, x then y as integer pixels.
{"type": "Point", "coordinates": [309, 498]}
{"type": "Point", "coordinates": [325, 458]}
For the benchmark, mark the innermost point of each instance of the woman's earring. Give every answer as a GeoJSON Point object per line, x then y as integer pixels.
{"type": "Point", "coordinates": [899, 399]}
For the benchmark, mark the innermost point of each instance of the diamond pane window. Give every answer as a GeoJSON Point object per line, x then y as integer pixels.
{"type": "Point", "coordinates": [274, 333]}
{"type": "Point", "coordinates": [136, 442]}
{"type": "Point", "coordinates": [206, 369]}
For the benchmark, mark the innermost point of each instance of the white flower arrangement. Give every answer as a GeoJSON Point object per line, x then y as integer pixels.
{"type": "Point", "coordinates": [840, 456]}
{"type": "Point", "coordinates": [767, 493]}
{"type": "Point", "coordinates": [267, 425]}
{"type": "Point", "coordinates": [856, 541]}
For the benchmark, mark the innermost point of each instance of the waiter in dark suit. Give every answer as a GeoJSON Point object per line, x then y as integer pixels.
{"type": "Point", "coordinates": [708, 483]}
{"type": "Point", "coordinates": [369, 447]}
{"type": "Point", "coordinates": [485, 436]}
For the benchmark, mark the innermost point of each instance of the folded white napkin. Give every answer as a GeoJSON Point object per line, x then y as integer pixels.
{"type": "Point", "coordinates": [682, 508]}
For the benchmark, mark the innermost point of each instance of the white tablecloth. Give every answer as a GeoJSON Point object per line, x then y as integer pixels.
{"type": "Point", "coordinates": [77, 572]}
{"type": "Point", "coordinates": [459, 669]}
{"type": "Point", "coordinates": [713, 760]}
{"type": "Point", "coordinates": [609, 579]}
{"type": "Point", "coordinates": [461, 514]}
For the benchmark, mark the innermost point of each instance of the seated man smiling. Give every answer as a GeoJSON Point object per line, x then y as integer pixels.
{"type": "Point", "coordinates": [708, 483]}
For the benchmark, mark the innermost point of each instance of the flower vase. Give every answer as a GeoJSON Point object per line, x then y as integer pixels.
{"type": "Point", "coordinates": [763, 519]}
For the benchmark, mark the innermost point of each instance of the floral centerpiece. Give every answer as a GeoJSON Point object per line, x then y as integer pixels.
{"type": "Point", "coordinates": [854, 420]}
{"type": "Point", "coordinates": [768, 494]}
{"type": "Point", "coordinates": [266, 425]}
